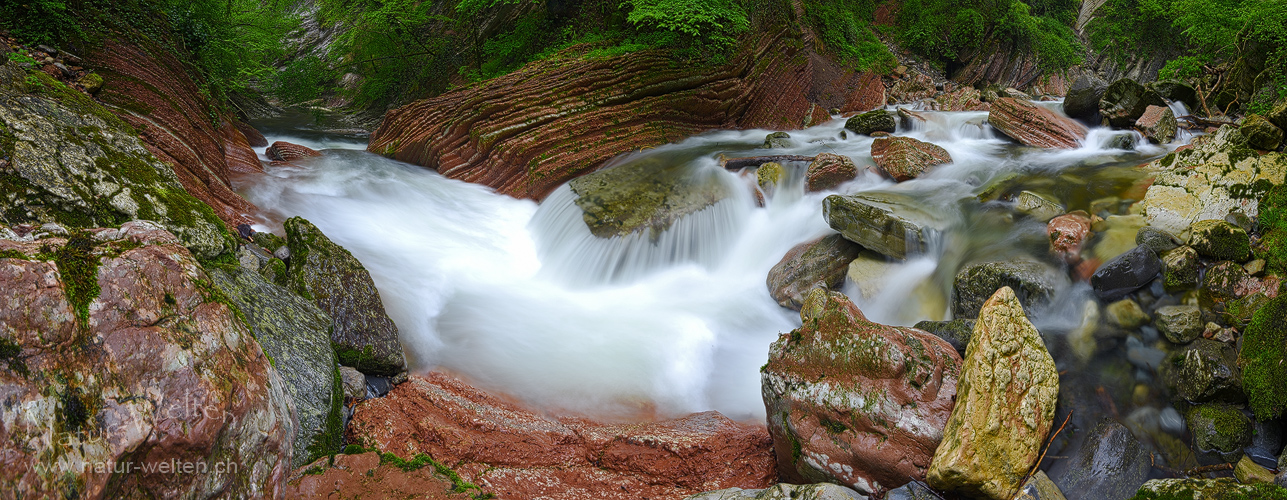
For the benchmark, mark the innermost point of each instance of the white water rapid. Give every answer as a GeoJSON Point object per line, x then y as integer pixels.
{"type": "Point", "coordinates": [522, 299]}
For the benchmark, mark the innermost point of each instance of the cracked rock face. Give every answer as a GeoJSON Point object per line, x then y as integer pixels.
{"type": "Point", "coordinates": [123, 360]}
{"type": "Point", "coordinates": [855, 402]}
{"type": "Point", "coordinates": [1005, 405]}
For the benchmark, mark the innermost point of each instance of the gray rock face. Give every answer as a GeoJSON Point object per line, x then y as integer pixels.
{"type": "Point", "coordinates": [1110, 464]}
{"type": "Point", "coordinates": [783, 491]}
{"type": "Point", "coordinates": [1205, 370]}
{"type": "Point", "coordinates": [1033, 282]}
{"type": "Point", "coordinates": [887, 223]}
{"type": "Point", "coordinates": [363, 335]}
{"type": "Point", "coordinates": [956, 332]}
{"type": "Point", "coordinates": [872, 121]}
{"type": "Point", "coordinates": [75, 163]}
{"type": "Point", "coordinates": [1083, 96]}
{"type": "Point", "coordinates": [1158, 240]}
{"type": "Point", "coordinates": [1125, 100]}
{"type": "Point", "coordinates": [1175, 90]}
{"type": "Point", "coordinates": [820, 262]}
{"type": "Point", "coordinates": [1126, 273]}
{"type": "Point", "coordinates": [295, 335]}
{"type": "Point", "coordinates": [1180, 324]}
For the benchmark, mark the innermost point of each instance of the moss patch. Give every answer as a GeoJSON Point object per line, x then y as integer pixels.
{"type": "Point", "coordinates": [1263, 357]}
{"type": "Point", "coordinates": [420, 461]}
{"type": "Point", "coordinates": [11, 354]}
{"type": "Point", "coordinates": [329, 441]}
{"type": "Point", "coordinates": [79, 269]}
{"type": "Point", "coordinates": [1273, 229]}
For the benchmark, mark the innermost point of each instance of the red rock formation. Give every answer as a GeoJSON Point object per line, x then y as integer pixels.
{"type": "Point", "coordinates": [152, 90]}
{"type": "Point", "coordinates": [285, 151]}
{"type": "Point", "coordinates": [362, 476]}
{"type": "Point", "coordinates": [905, 158]}
{"type": "Point", "coordinates": [828, 171]}
{"type": "Point", "coordinates": [1158, 124]}
{"type": "Point", "coordinates": [962, 99]}
{"type": "Point", "coordinates": [521, 455]}
{"type": "Point", "coordinates": [157, 373]}
{"type": "Point", "coordinates": [530, 131]}
{"type": "Point", "coordinates": [1034, 125]}
{"type": "Point", "coordinates": [1067, 234]}
{"type": "Point", "coordinates": [253, 137]}
{"type": "Point", "coordinates": [915, 87]}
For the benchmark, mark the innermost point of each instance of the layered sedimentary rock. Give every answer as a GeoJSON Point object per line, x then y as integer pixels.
{"type": "Point", "coordinates": [152, 90]}
{"type": "Point", "coordinates": [519, 454]}
{"type": "Point", "coordinates": [1034, 125]}
{"type": "Point", "coordinates": [528, 132]}
{"type": "Point", "coordinates": [905, 158]}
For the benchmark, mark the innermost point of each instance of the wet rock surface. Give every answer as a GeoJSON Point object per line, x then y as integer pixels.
{"type": "Point", "coordinates": [1205, 370]}
{"type": "Point", "coordinates": [904, 158]}
{"type": "Point", "coordinates": [1126, 273]}
{"type": "Point", "coordinates": [819, 263]}
{"type": "Point", "coordinates": [1110, 464]}
{"type": "Point", "coordinates": [125, 359]}
{"type": "Point", "coordinates": [1033, 283]}
{"type": "Point", "coordinates": [1125, 100]}
{"type": "Point", "coordinates": [1005, 405]}
{"type": "Point", "coordinates": [515, 453]}
{"type": "Point", "coordinates": [320, 271]}
{"type": "Point", "coordinates": [645, 197]}
{"type": "Point", "coordinates": [887, 223]}
{"type": "Point", "coordinates": [828, 170]}
{"type": "Point", "coordinates": [1157, 124]}
{"type": "Point", "coordinates": [856, 402]}
{"type": "Point", "coordinates": [1083, 96]}
{"type": "Point", "coordinates": [817, 491]}
{"type": "Point", "coordinates": [1067, 234]}
{"type": "Point", "coordinates": [287, 152]}
{"type": "Point", "coordinates": [1034, 125]}
{"type": "Point", "coordinates": [872, 121]}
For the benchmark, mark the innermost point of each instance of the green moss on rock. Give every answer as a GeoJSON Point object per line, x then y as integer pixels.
{"type": "Point", "coordinates": [1263, 357]}
{"type": "Point", "coordinates": [78, 267]}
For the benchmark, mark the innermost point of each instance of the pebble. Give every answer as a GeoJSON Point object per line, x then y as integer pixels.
{"type": "Point", "coordinates": [1170, 420]}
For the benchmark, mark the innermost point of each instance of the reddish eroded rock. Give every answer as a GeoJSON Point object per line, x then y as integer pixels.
{"type": "Point", "coordinates": [818, 263]}
{"type": "Point", "coordinates": [1008, 65]}
{"type": "Point", "coordinates": [1034, 125]}
{"type": "Point", "coordinates": [530, 131]}
{"type": "Point", "coordinates": [286, 152]}
{"type": "Point", "coordinates": [151, 90]}
{"type": "Point", "coordinates": [362, 476]}
{"type": "Point", "coordinates": [507, 449]}
{"type": "Point", "coordinates": [915, 87]}
{"type": "Point", "coordinates": [158, 390]}
{"type": "Point", "coordinates": [829, 170]}
{"type": "Point", "coordinates": [253, 137]}
{"type": "Point", "coordinates": [1067, 234]}
{"type": "Point", "coordinates": [962, 99]}
{"type": "Point", "coordinates": [905, 158]}
{"type": "Point", "coordinates": [855, 402]}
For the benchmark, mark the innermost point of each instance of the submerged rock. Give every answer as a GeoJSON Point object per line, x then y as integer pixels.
{"type": "Point", "coordinates": [1037, 206]}
{"type": "Point", "coordinates": [1034, 283]}
{"type": "Point", "coordinates": [1205, 370]}
{"type": "Point", "coordinates": [647, 196]}
{"type": "Point", "coordinates": [888, 223]}
{"type": "Point", "coordinates": [1126, 273]}
{"type": "Point", "coordinates": [1034, 125]}
{"type": "Point", "coordinates": [1067, 234]}
{"type": "Point", "coordinates": [1039, 487]}
{"type": "Point", "coordinates": [122, 354]}
{"type": "Point", "coordinates": [783, 491]}
{"type": "Point", "coordinates": [1125, 100]}
{"type": "Point", "coordinates": [828, 171]}
{"type": "Point", "coordinates": [1110, 464]}
{"type": "Point", "coordinates": [1261, 134]}
{"type": "Point", "coordinates": [1083, 96]}
{"type": "Point", "coordinates": [1005, 407]}
{"type": "Point", "coordinates": [872, 121]}
{"type": "Point", "coordinates": [1220, 240]}
{"type": "Point", "coordinates": [1127, 314]}
{"type": "Point", "coordinates": [905, 158]}
{"type": "Point", "coordinates": [855, 402]}
{"type": "Point", "coordinates": [1158, 124]}
{"type": "Point", "coordinates": [818, 263]}
{"type": "Point", "coordinates": [295, 334]}
{"type": "Point", "coordinates": [768, 176]}
{"type": "Point", "coordinates": [328, 275]}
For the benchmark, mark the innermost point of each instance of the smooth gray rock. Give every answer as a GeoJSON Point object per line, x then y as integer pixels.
{"type": "Point", "coordinates": [887, 223]}
{"type": "Point", "coordinates": [1180, 324]}
{"type": "Point", "coordinates": [1110, 464]}
{"type": "Point", "coordinates": [1126, 273]}
{"type": "Point", "coordinates": [1035, 283]}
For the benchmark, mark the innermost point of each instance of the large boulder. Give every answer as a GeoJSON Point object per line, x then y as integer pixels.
{"type": "Point", "coordinates": [73, 162]}
{"type": "Point", "coordinates": [1263, 357]}
{"type": "Point", "coordinates": [1217, 176]}
{"type": "Point", "coordinates": [1034, 283]}
{"type": "Point", "coordinates": [1220, 240]}
{"type": "Point", "coordinates": [871, 122]}
{"type": "Point", "coordinates": [1158, 124]}
{"type": "Point", "coordinates": [888, 223]}
{"type": "Point", "coordinates": [1004, 408]}
{"type": "Point", "coordinates": [1175, 90]}
{"type": "Point", "coordinates": [328, 275]}
{"type": "Point", "coordinates": [783, 491]}
{"type": "Point", "coordinates": [296, 336]}
{"type": "Point", "coordinates": [1125, 100]}
{"type": "Point", "coordinates": [1261, 133]}
{"type": "Point", "coordinates": [1111, 463]}
{"type": "Point", "coordinates": [1035, 125]}
{"type": "Point", "coordinates": [854, 402]}
{"type": "Point", "coordinates": [645, 196]}
{"type": "Point", "coordinates": [818, 263]}
{"type": "Point", "coordinates": [287, 152]}
{"type": "Point", "coordinates": [1126, 273]}
{"type": "Point", "coordinates": [125, 375]}
{"type": "Point", "coordinates": [518, 453]}
{"type": "Point", "coordinates": [828, 170]}
{"type": "Point", "coordinates": [1219, 429]}
{"type": "Point", "coordinates": [1205, 370]}
{"type": "Point", "coordinates": [1083, 96]}
{"type": "Point", "coordinates": [905, 158]}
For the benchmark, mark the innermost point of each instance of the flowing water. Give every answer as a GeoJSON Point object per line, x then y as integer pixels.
{"type": "Point", "coordinates": [521, 298]}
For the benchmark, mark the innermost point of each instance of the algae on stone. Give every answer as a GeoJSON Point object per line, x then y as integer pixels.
{"type": "Point", "coordinates": [645, 196]}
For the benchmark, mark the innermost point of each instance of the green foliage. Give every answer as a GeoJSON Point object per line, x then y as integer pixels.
{"type": "Point", "coordinates": [1181, 68]}
{"type": "Point", "coordinates": [713, 22]}
{"type": "Point", "coordinates": [944, 31]}
{"type": "Point", "coordinates": [1263, 356]}
{"type": "Point", "coordinates": [39, 21]}
{"type": "Point", "coordinates": [845, 29]}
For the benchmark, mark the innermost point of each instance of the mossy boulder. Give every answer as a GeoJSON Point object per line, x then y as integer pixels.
{"type": "Point", "coordinates": [1205, 370]}
{"type": "Point", "coordinates": [1220, 429]}
{"type": "Point", "coordinates": [1273, 229]}
{"type": "Point", "coordinates": [1220, 240]}
{"type": "Point", "coordinates": [1034, 283]}
{"type": "Point", "coordinates": [890, 224]}
{"type": "Point", "coordinates": [905, 158]}
{"type": "Point", "coordinates": [956, 332]}
{"type": "Point", "coordinates": [363, 336]}
{"type": "Point", "coordinates": [648, 195]}
{"type": "Point", "coordinates": [1263, 357]}
{"type": "Point", "coordinates": [1175, 90]}
{"type": "Point", "coordinates": [1180, 324]}
{"type": "Point", "coordinates": [1083, 96]}
{"type": "Point", "coordinates": [1224, 281]}
{"type": "Point", "coordinates": [1158, 240]}
{"type": "Point", "coordinates": [73, 162]}
{"type": "Point", "coordinates": [777, 140]}
{"type": "Point", "coordinates": [1225, 488]}
{"type": "Point", "coordinates": [1261, 133]}
{"type": "Point", "coordinates": [296, 335]}
{"type": "Point", "coordinates": [873, 121]}
{"type": "Point", "coordinates": [827, 171]}
{"type": "Point", "coordinates": [768, 176]}
{"type": "Point", "coordinates": [1238, 312]}
{"type": "Point", "coordinates": [1125, 100]}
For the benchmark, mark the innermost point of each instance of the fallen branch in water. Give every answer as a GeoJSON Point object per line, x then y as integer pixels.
{"type": "Point", "coordinates": [1196, 471]}
{"type": "Point", "coordinates": [1048, 443]}
{"type": "Point", "coordinates": [755, 161]}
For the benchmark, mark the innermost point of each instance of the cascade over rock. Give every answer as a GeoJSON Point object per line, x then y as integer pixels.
{"type": "Point", "coordinates": [645, 196]}
{"type": "Point", "coordinates": [855, 402]}
{"type": "Point", "coordinates": [145, 368]}
{"type": "Point", "coordinates": [527, 132]}
{"type": "Point", "coordinates": [888, 223]}
{"type": "Point", "coordinates": [521, 454]}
